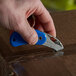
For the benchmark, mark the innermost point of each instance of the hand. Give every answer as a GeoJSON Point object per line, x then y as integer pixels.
{"type": "Point", "coordinates": [14, 14]}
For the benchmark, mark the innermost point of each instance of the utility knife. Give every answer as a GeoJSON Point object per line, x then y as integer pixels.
{"type": "Point", "coordinates": [43, 39]}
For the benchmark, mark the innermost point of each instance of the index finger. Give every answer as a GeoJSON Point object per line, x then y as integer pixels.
{"type": "Point", "coordinates": [45, 19]}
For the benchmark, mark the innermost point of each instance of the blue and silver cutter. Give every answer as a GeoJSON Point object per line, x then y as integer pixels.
{"type": "Point", "coordinates": [43, 39]}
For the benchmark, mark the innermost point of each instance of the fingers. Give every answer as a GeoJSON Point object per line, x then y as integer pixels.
{"type": "Point", "coordinates": [27, 32]}
{"type": "Point", "coordinates": [45, 19]}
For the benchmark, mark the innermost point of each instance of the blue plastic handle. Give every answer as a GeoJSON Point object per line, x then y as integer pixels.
{"type": "Point", "coordinates": [17, 40]}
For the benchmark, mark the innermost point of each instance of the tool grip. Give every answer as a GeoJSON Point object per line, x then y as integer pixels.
{"type": "Point", "coordinates": [17, 40]}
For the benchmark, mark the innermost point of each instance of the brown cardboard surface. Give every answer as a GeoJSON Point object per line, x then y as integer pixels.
{"type": "Point", "coordinates": [39, 60]}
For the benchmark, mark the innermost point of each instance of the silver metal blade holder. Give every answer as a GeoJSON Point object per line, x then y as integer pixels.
{"type": "Point", "coordinates": [53, 43]}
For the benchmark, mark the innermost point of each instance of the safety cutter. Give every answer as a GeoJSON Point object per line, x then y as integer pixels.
{"type": "Point", "coordinates": [43, 39]}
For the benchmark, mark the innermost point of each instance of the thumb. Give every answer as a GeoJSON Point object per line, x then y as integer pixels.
{"type": "Point", "coordinates": [27, 32]}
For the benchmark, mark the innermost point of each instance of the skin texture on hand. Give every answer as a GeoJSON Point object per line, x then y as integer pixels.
{"type": "Point", "coordinates": [14, 14]}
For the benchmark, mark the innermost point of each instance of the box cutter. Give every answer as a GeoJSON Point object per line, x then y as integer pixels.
{"type": "Point", "coordinates": [43, 39]}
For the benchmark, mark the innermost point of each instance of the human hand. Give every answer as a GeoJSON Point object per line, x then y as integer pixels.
{"type": "Point", "coordinates": [14, 14]}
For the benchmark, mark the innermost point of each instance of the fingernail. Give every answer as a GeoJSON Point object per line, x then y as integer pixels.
{"type": "Point", "coordinates": [33, 39]}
